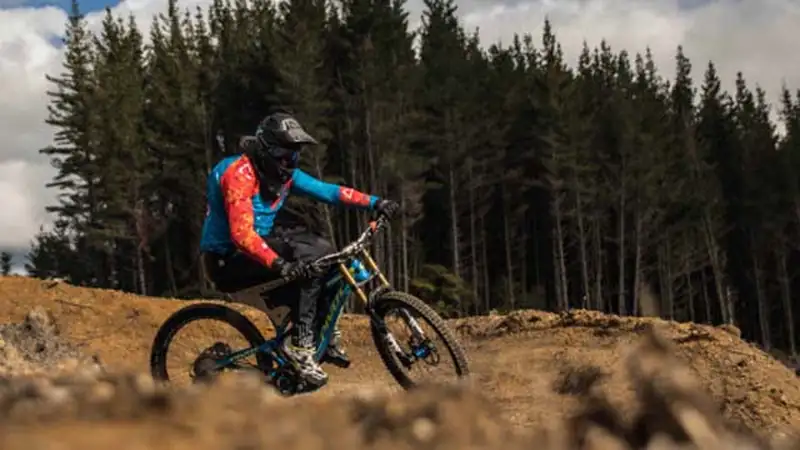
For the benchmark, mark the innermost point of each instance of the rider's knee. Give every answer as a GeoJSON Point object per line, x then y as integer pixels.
{"type": "Point", "coordinates": [323, 246]}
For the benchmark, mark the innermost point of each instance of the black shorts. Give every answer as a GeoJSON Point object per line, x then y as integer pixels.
{"type": "Point", "coordinates": [237, 271]}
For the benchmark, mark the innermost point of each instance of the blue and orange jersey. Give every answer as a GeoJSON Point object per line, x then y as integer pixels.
{"type": "Point", "coordinates": [238, 218]}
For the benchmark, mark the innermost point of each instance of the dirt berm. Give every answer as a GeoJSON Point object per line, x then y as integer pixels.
{"type": "Point", "coordinates": [69, 359]}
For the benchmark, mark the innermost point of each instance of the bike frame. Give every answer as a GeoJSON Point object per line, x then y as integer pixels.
{"type": "Point", "coordinates": [350, 278]}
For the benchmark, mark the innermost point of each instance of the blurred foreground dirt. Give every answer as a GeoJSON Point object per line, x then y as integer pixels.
{"type": "Point", "coordinates": [69, 359]}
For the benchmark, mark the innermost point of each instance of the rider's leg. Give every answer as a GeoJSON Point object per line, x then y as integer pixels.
{"type": "Point", "coordinates": [235, 272]}
{"type": "Point", "coordinates": [308, 245]}
{"type": "Point", "coordinates": [334, 353]}
{"type": "Point", "coordinates": [300, 349]}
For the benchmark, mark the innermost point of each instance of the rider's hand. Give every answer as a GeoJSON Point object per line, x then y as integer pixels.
{"type": "Point", "coordinates": [293, 269]}
{"type": "Point", "coordinates": [386, 208]}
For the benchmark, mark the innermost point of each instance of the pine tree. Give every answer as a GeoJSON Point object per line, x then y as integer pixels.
{"type": "Point", "coordinates": [444, 71]}
{"type": "Point", "coordinates": [716, 143]}
{"type": "Point", "coordinates": [554, 150]}
{"type": "Point", "coordinates": [75, 153]}
{"type": "Point", "coordinates": [5, 263]}
{"type": "Point", "coordinates": [124, 157]}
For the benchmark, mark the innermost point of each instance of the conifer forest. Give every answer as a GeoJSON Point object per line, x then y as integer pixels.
{"type": "Point", "coordinates": [525, 181]}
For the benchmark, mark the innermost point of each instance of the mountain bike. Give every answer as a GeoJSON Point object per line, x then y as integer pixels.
{"type": "Point", "coordinates": [349, 271]}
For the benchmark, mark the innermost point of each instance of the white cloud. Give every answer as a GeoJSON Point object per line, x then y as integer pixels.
{"type": "Point", "coordinates": [23, 194]}
{"type": "Point", "coordinates": [754, 36]}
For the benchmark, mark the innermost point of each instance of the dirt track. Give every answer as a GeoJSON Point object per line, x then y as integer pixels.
{"type": "Point", "coordinates": [533, 371]}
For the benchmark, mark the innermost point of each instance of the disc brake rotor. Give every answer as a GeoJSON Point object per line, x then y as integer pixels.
{"type": "Point", "coordinates": [206, 365]}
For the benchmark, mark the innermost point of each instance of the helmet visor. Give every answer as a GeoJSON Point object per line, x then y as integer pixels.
{"type": "Point", "coordinates": [299, 136]}
{"type": "Point", "coordinates": [292, 132]}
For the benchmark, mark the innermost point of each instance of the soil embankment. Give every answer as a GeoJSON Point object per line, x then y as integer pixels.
{"type": "Point", "coordinates": [68, 359]}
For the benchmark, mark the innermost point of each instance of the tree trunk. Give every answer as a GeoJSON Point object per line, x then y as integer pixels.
{"type": "Point", "coordinates": [389, 255]}
{"type": "Point", "coordinates": [559, 258]}
{"type": "Point", "coordinates": [537, 278]}
{"type": "Point", "coordinates": [717, 268]}
{"type": "Point", "coordinates": [786, 297]}
{"type": "Point", "coordinates": [173, 285]}
{"type": "Point", "coordinates": [557, 274]}
{"type": "Point", "coordinates": [706, 299]}
{"type": "Point", "coordinates": [690, 295]}
{"type": "Point", "coordinates": [473, 245]}
{"type": "Point", "coordinates": [637, 262]}
{"type": "Point", "coordinates": [622, 310]}
{"type": "Point", "coordinates": [583, 253]}
{"type": "Point", "coordinates": [522, 245]}
{"type": "Point", "coordinates": [454, 235]}
{"type": "Point", "coordinates": [763, 319]}
{"type": "Point", "coordinates": [142, 278]}
{"type": "Point", "coordinates": [485, 255]}
{"type": "Point", "coordinates": [507, 244]}
{"type": "Point", "coordinates": [597, 243]}
{"type": "Point", "coordinates": [670, 310]}
{"type": "Point", "coordinates": [404, 243]}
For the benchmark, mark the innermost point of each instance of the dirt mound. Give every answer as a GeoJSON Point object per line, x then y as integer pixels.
{"type": "Point", "coordinates": [673, 412]}
{"type": "Point", "coordinates": [35, 346]}
{"type": "Point", "coordinates": [537, 369]}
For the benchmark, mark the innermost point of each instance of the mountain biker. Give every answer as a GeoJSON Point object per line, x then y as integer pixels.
{"type": "Point", "coordinates": [245, 192]}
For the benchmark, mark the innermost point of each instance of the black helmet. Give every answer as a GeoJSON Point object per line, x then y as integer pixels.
{"type": "Point", "coordinates": [280, 129]}
{"type": "Point", "coordinates": [280, 138]}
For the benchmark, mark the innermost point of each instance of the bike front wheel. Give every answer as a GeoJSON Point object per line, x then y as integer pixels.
{"type": "Point", "coordinates": [402, 352]}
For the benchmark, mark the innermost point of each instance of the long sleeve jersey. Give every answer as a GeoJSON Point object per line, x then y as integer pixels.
{"type": "Point", "coordinates": [238, 218]}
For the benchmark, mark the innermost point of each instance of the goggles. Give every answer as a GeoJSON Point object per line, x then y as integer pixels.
{"type": "Point", "coordinates": [285, 155]}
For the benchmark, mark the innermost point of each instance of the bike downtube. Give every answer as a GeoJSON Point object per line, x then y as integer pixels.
{"type": "Point", "coordinates": [349, 278]}
{"type": "Point", "coordinates": [374, 267]}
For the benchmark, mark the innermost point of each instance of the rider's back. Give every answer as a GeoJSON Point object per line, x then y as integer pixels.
{"type": "Point", "coordinates": [234, 173]}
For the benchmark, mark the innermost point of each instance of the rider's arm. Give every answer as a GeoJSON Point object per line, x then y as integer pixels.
{"type": "Point", "coordinates": [238, 185]}
{"type": "Point", "coordinates": [333, 194]}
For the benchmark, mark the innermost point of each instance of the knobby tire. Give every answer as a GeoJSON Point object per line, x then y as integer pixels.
{"type": "Point", "coordinates": [397, 299]}
{"type": "Point", "coordinates": [201, 311]}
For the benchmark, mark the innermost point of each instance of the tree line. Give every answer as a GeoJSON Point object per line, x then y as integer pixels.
{"type": "Point", "coordinates": [524, 182]}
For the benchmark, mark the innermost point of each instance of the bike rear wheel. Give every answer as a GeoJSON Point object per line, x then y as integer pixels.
{"type": "Point", "coordinates": [203, 312]}
{"type": "Point", "coordinates": [399, 361]}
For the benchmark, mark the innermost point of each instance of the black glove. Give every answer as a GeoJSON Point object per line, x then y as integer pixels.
{"type": "Point", "coordinates": [386, 208]}
{"type": "Point", "coordinates": [293, 269]}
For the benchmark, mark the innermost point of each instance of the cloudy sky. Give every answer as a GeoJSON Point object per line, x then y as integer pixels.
{"type": "Point", "coordinates": [758, 37]}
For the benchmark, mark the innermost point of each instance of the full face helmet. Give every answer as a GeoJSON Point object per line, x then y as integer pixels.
{"type": "Point", "coordinates": [282, 138]}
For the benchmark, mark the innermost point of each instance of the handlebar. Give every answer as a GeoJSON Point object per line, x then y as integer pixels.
{"type": "Point", "coordinates": [354, 247]}
{"type": "Point", "coordinates": [342, 255]}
